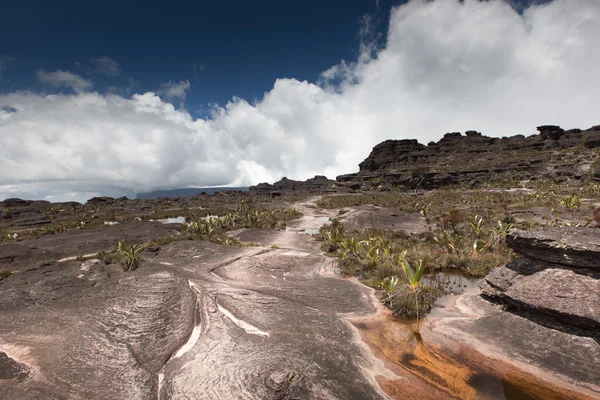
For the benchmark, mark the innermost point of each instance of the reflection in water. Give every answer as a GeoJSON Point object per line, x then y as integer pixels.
{"type": "Point", "coordinates": [174, 220]}
{"type": "Point", "coordinates": [451, 281]}
{"type": "Point", "coordinates": [431, 366]}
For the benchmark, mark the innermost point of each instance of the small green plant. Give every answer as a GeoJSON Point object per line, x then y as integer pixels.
{"type": "Point", "coordinates": [230, 241]}
{"type": "Point", "coordinates": [293, 378]}
{"type": "Point", "coordinates": [424, 210]}
{"type": "Point", "coordinates": [479, 246]}
{"type": "Point", "coordinates": [500, 232]}
{"type": "Point", "coordinates": [592, 189]}
{"type": "Point", "coordinates": [571, 202]}
{"type": "Point", "coordinates": [5, 274]}
{"type": "Point", "coordinates": [447, 241]}
{"type": "Point", "coordinates": [333, 236]}
{"type": "Point", "coordinates": [413, 276]}
{"type": "Point", "coordinates": [6, 211]}
{"type": "Point", "coordinates": [130, 255]}
{"type": "Point", "coordinates": [477, 225]}
{"type": "Point", "coordinates": [389, 284]}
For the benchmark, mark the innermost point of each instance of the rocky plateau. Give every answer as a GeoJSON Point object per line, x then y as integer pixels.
{"type": "Point", "coordinates": [263, 313]}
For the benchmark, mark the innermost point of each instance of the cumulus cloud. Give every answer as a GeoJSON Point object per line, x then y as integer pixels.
{"type": "Point", "coordinates": [174, 90]}
{"type": "Point", "coordinates": [61, 78]}
{"type": "Point", "coordinates": [444, 66]}
{"type": "Point", "coordinates": [106, 66]}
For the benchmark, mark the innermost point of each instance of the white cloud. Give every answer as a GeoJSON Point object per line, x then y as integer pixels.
{"type": "Point", "coordinates": [446, 66]}
{"type": "Point", "coordinates": [174, 90]}
{"type": "Point", "coordinates": [61, 78]}
{"type": "Point", "coordinates": [106, 66]}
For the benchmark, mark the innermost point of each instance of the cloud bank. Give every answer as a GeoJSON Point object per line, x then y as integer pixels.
{"type": "Point", "coordinates": [174, 90]}
{"type": "Point", "coordinates": [445, 66]}
{"type": "Point", "coordinates": [106, 66]}
{"type": "Point", "coordinates": [59, 79]}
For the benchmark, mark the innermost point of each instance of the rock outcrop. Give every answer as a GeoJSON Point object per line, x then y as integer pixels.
{"type": "Point", "coordinates": [318, 184]}
{"type": "Point", "coordinates": [474, 159]}
{"type": "Point", "coordinates": [557, 281]}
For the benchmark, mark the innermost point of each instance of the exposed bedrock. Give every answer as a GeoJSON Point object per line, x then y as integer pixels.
{"type": "Point", "coordinates": [318, 184]}
{"type": "Point", "coordinates": [541, 311]}
{"type": "Point", "coordinates": [557, 281]}
{"type": "Point", "coordinates": [475, 159]}
{"type": "Point", "coordinates": [198, 320]}
{"type": "Point", "coordinates": [83, 331]}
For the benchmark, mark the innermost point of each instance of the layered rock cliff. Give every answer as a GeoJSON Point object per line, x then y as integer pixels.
{"type": "Point", "coordinates": [474, 159]}
{"type": "Point", "coordinates": [556, 282]}
{"type": "Point", "coordinates": [318, 184]}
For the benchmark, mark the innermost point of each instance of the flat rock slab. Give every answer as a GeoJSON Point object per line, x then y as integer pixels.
{"type": "Point", "coordinates": [198, 320]}
{"type": "Point", "coordinates": [381, 218]}
{"type": "Point", "coordinates": [271, 325]}
{"type": "Point", "coordinates": [565, 295]}
{"type": "Point", "coordinates": [574, 247]}
{"type": "Point", "coordinates": [543, 351]}
{"type": "Point", "coordinates": [29, 253]}
{"type": "Point", "coordinates": [81, 330]}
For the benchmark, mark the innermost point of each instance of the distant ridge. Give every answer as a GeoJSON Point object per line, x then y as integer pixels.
{"type": "Point", "coordinates": [185, 192]}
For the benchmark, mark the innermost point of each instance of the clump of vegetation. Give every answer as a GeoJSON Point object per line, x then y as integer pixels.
{"type": "Point", "coordinates": [5, 274]}
{"type": "Point", "coordinates": [410, 304]}
{"type": "Point", "coordinates": [413, 276]}
{"type": "Point", "coordinates": [213, 228]}
{"type": "Point", "coordinates": [109, 257]}
{"type": "Point", "coordinates": [332, 236]}
{"type": "Point", "coordinates": [571, 202]}
{"type": "Point", "coordinates": [230, 241]}
{"type": "Point", "coordinates": [130, 255]}
{"type": "Point", "coordinates": [396, 262]}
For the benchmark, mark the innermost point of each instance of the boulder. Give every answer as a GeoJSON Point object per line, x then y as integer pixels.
{"type": "Point", "coordinates": [551, 132]}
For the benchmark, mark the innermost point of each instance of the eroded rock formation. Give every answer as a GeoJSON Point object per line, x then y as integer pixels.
{"type": "Point", "coordinates": [556, 282]}
{"type": "Point", "coordinates": [475, 159]}
{"type": "Point", "coordinates": [318, 184]}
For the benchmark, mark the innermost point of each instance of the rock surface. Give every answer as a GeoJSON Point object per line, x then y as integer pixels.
{"type": "Point", "coordinates": [318, 184]}
{"type": "Point", "coordinates": [382, 218]}
{"type": "Point", "coordinates": [556, 282]}
{"type": "Point", "coordinates": [556, 155]}
{"type": "Point", "coordinates": [575, 247]}
{"type": "Point", "coordinates": [548, 353]}
{"type": "Point", "coordinates": [197, 320]}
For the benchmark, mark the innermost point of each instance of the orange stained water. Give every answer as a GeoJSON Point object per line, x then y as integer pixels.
{"type": "Point", "coordinates": [431, 366]}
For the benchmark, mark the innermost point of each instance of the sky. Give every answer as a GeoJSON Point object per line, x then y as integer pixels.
{"type": "Point", "coordinates": [113, 98]}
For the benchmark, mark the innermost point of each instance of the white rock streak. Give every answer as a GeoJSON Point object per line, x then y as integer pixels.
{"type": "Point", "coordinates": [243, 324]}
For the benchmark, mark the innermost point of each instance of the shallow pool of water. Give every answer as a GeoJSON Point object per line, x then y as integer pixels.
{"type": "Point", "coordinates": [452, 281]}
{"type": "Point", "coordinates": [174, 220]}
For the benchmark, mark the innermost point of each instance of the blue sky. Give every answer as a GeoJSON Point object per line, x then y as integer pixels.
{"type": "Point", "coordinates": [224, 49]}
{"type": "Point", "coordinates": [114, 98]}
